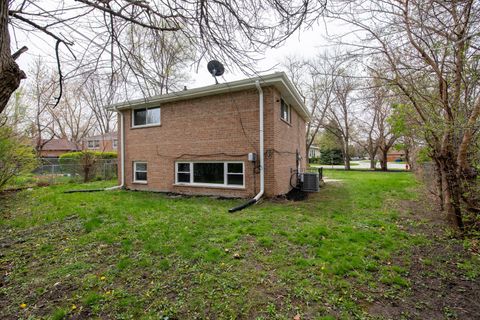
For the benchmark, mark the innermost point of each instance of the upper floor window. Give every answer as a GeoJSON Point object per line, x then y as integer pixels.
{"type": "Point", "coordinates": [93, 144]}
{"type": "Point", "coordinates": [146, 117]}
{"type": "Point", "coordinates": [114, 143]}
{"type": "Point", "coordinates": [285, 111]}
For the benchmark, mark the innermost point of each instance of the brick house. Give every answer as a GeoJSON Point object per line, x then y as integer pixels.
{"type": "Point", "coordinates": [104, 142]}
{"type": "Point", "coordinates": [208, 140]}
{"type": "Point", "coordinates": [395, 155]}
{"type": "Point", "coordinates": [54, 148]}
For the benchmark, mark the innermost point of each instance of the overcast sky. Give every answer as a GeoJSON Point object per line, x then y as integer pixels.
{"type": "Point", "coordinates": [303, 43]}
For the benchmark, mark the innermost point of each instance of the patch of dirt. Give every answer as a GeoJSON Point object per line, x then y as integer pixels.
{"type": "Point", "coordinates": [297, 195]}
{"type": "Point", "coordinates": [438, 289]}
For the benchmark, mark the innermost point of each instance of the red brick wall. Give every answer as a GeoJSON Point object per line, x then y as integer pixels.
{"type": "Point", "coordinates": [209, 128]}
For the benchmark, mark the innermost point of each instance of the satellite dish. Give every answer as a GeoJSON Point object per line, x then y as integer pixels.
{"type": "Point", "coordinates": [216, 69]}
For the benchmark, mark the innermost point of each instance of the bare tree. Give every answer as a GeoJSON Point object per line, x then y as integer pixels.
{"type": "Point", "coordinates": [100, 91]}
{"type": "Point", "coordinates": [72, 117]}
{"type": "Point", "coordinates": [342, 112]}
{"type": "Point", "coordinates": [429, 49]}
{"type": "Point", "coordinates": [160, 58]}
{"type": "Point", "coordinates": [368, 139]}
{"type": "Point", "coordinates": [386, 136]}
{"type": "Point", "coordinates": [315, 80]}
{"type": "Point", "coordinates": [41, 95]}
{"type": "Point", "coordinates": [233, 31]}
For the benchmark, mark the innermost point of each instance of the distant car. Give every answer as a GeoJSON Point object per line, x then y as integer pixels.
{"type": "Point", "coordinates": [356, 158]}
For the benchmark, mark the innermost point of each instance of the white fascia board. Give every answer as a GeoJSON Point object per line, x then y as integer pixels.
{"type": "Point", "coordinates": [278, 79]}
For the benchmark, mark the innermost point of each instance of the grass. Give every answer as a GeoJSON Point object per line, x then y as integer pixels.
{"type": "Point", "coordinates": [352, 164]}
{"type": "Point", "coordinates": [141, 255]}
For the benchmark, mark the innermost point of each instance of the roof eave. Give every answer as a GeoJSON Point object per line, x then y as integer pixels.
{"type": "Point", "coordinates": [279, 78]}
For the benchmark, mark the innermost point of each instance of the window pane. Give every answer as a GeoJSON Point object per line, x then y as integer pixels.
{"type": "Point", "coordinates": [140, 176]}
{"type": "Point", "coordinates": [284, 110]}
{"type": "Point", "coordinates": [208, 173]}
{"type": "Point", "coordinates": [139, 117]}
{"type": "Point", "coordinates": [183, 177]}
{"type": "Point", "coordinates": [153, 116]}
{"type": "Point", "coordinates": [183, 167]}
{"type": "Point", "coordinates": [235, 168]}
{"type": "Point", "coordinates": [235, 179]}
{"type": "Point", "coordinates": [140, 166]}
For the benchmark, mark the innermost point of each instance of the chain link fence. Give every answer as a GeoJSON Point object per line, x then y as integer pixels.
{"type": "Point", "coordinates": [51, 171]}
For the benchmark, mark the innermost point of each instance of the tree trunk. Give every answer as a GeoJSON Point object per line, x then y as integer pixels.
{"type": "Point", "coordinates": [408, 159]}
{"type": "Point", "coordinates": [346, 156]}
{"type": "Point", "coordinates": [10, 73]}
{"type": "Point", "coordinates": [372, 162]}
{"type": "Point", "coordinates": [347, 163]}
{"type": "Point", "coordinates": [439, 184]}
{"type": "Point", "coordinates": [451, 192]}
{"type": "Point", "coordinates": [383, 160]}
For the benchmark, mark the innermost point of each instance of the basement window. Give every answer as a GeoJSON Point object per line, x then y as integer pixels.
{"type": "Point", "coordinates": [210, 173]}
{"type": "Point", "coordinates": [285, 111]}
{"type": "Point", "coordinates": [139, 172]}
{"type": "Point", "coordinates": [145, 117]}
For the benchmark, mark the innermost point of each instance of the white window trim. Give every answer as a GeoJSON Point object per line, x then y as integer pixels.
{"type": "Point", "coordinates": [132, 115]}
{"type": "Point", "coordinates": [210, 185]}
{"type": "Point", "coordinates": [94, 147]}
{"type": "Point", "coordinates": [115, 143]}
{"type": "Point", "coordinates": [289, 111]}
{"type": "Point", "coordinates": [135, 172]}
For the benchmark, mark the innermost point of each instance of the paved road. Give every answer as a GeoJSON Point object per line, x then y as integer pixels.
{"type": "Point", "coordinates": [364, 165]}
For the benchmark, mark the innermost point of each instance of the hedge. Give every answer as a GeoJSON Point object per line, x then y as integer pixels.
{"type": "Point", "coordinates": [97, 154]}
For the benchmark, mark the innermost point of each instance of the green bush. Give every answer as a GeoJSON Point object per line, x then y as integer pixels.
{"type": "Point", "coordinates": [84, 163]}
{"type": "Point", "coordinates": [423, 155]}
{"type": "Point", "coordinates": [16, 156]}
{"type": "Point", "coordinates": [331, 156]}
{"type": "Point", "coordinates": [314, 160]}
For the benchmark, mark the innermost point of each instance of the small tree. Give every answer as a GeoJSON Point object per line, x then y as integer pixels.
{"type": "Point", "coordinates": [15, 157]}
{"type": "Point", "coordinates": [84, 163]}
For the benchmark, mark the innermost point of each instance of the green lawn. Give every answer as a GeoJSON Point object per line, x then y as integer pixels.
{"type": "Point", "coordinates": [132, 255]}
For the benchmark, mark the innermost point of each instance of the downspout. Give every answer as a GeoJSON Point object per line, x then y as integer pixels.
{"type": "Point", "coordinates": [122, 162]}
{"type": "Point", "coordinates": [261, 156]}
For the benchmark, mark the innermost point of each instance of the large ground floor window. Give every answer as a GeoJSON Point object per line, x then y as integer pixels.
{"type": "Point", "coordinates": [210, 173]}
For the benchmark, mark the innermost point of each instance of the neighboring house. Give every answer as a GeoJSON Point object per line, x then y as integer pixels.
{"type": "Point", "coordinates": [396, 155]}
{"type": "Point", "coordinates": [54, 148]}
{"type": "Point", "coordinates": [107, 142]}
{"type": "Point", "coordinates": [201, 141]}
{"type": "Point", "coordinates": [313, 152]}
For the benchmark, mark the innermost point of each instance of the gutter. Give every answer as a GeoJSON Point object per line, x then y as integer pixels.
{"type": "Point", "coordinates": [122, 163]}
{"type": "Point", "coordinates": [278, 79]}
{"type": "Point", "coordinates": [261, 156]}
